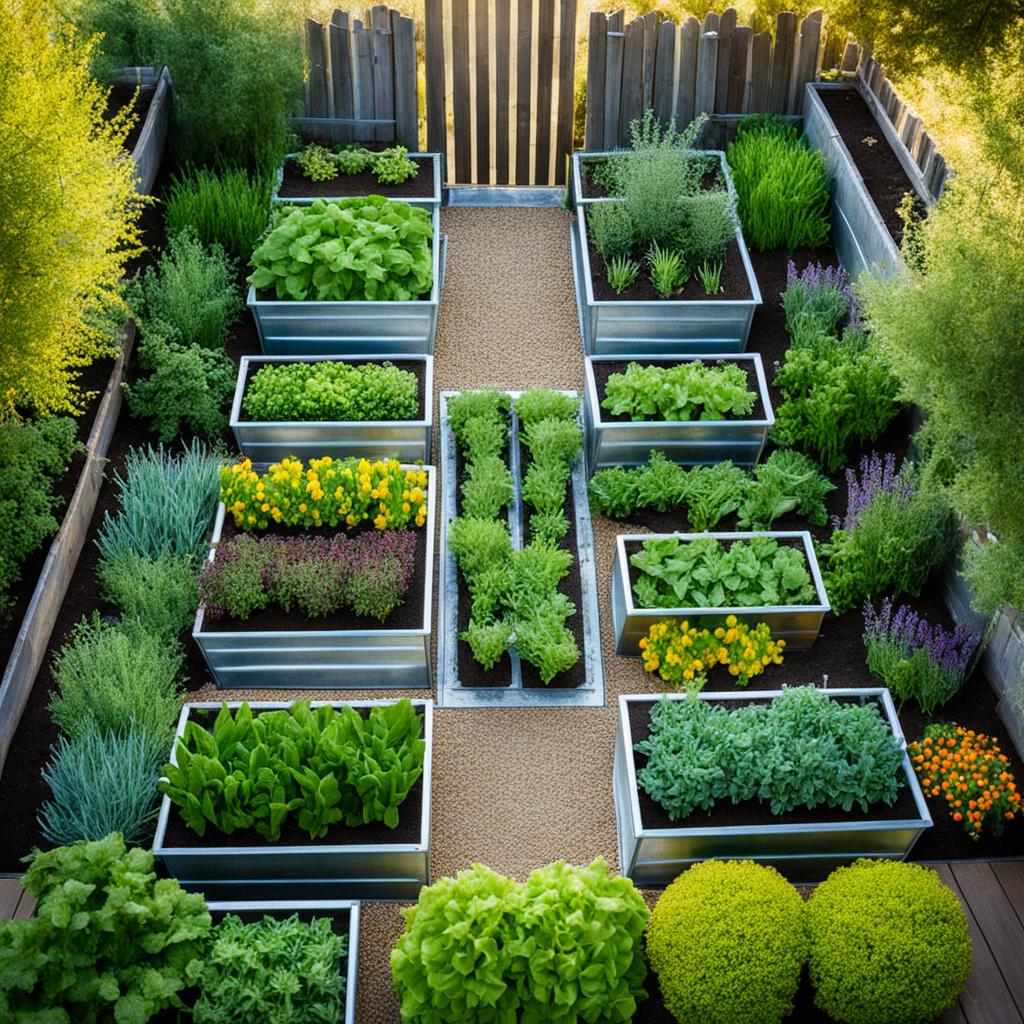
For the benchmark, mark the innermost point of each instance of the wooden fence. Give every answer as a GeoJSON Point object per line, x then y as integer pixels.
{"type": "Point", "coordinates": [361, 79]}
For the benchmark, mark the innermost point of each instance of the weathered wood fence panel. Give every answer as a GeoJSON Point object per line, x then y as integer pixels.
{"type": "Point", "coordinates": [361, 82]}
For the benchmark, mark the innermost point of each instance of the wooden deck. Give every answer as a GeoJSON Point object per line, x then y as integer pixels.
{"type": "Point", "coordinates": [992, 894]}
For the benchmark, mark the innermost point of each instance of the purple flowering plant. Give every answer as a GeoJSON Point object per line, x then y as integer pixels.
{"type": "Point", "coordinates": [817, 299]}
{"type": "Point", "coordinates": [877, 475]}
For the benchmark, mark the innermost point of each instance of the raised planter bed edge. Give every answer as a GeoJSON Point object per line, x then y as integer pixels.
{"type": "Point", "coordinates": [427, 201]}
{"type": "Point", "coordinates": [149, 148]}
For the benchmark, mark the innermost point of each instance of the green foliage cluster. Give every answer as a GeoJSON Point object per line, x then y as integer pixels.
{"type": "Point", "coordinates": [782, 185]}
{"type": "Point", "coordinates": [553, 442]}
{"type": "Point", "coordinates": [318, 765]}
{"type": "Point", "coordinates": [33, 455]}
{"type": "Point", "coordinates": [786, 481]}
{"type": "Point", "coordinates": [331, 390]}
{"type": "Point", "coordinates": [564, 947]}
{"type": "Point", "coordinates": [346, 250]}
{"type": "Point", "coordinates": [705, 573]}
{"type": "Point", "coordinates": [353, 159]}
{"type": "Point", "coordinates": [158, 595]}
{"type": "Point", "coordinates": [728, 943]}
{"type": "Point", "coordinates": [622, 273]}
{"type": "Point", "coordinates": [316, 164]}
{"type": "Point", "coordinates": [888, 941]}
{"type": "Point", "coordinates": [668, 272]}
{"type": "Point", "coordinates": [280, 971]}
{"type": "Point", "coordinates": [694, 389]}
{"type": "Point", "coordinates": [802, 749]}
{"type": "Point", "coordinates": [391, 166]}
{"type": "Point", "coordinates": [109, 940]}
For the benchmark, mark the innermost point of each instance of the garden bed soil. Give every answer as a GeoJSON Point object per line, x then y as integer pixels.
{"type": "Point", "coordinates": [417, 367]}
{"type": "Point", "coordinates": [420, 186]}
{"type": "Point", "coordinates": [604, 369]}
{"type": "Point", "coordinates": [735, 284]}
{"type": "Point", "coordinates": [884, 178]}
{"type": "Point", "coordinates": [124, 94]}
{"type": "Point", "coordinates": [592, 189]}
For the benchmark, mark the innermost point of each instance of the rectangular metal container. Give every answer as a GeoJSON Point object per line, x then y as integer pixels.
{"type": "Point", "coordinates": [798, 625]}
{"type": "Point", "coordinates": [654, 857]}
{"type": "Point", "coordinates": [688, 442]}
{"type": "Point", "coordinates": [149, 147]}
{"type": "Point", "coordinates": [323, 659]}
{"type": "Point", "coordinates": [658, 327]}
{"type": "Point", "coordinates": [406, 440]}
{"type": "Point", "coordinates": [288, 328]}
{"type": "Point", "coordinates": [379, 871]}
{"type": "Point", "coordinates": [344, 915]}
{"type": "Point", "coordinates": [434, 199]}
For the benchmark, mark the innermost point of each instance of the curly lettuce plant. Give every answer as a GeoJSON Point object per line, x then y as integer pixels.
{"type": "Point", "coordinates": [687, 391]}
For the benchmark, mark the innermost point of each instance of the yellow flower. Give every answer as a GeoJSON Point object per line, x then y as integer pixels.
{"type": "Point", "coordinates": [302, 506]}
{"type": "Point", "coordinates": [380, 522]}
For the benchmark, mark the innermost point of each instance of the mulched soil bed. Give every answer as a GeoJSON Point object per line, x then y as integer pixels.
{"type": "Point", "coordinates": [123, 95]}
{"type": "Point", "coordinates": [420, 186]}
{"type": "Point", "coordinates": [886, 181]}
{"type": "Point", "coordinates": [592, 189]}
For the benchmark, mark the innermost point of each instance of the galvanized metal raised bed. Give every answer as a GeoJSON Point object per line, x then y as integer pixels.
{"type": "Point", "coordinates": [289, 328]}
{"type": "Point", "coordinates": [380, 871]}
{"type": "Point", "coordinates": [690, 442]}
{"type": "Point", "coordinates": [451, 692]}
{"type": "Point", "coordinates": [264, 441]}
{"type": "Point", "coordinates": [798, 625]}
{"type": "Point", "coordinates": [149, 147]}
{"type": "Point", "coordinates": [344, 917]}
{"type": "Point", "coordinates": [434, 199]}
{"type": "Point", "coordinates": [654, 857]}
{"type": "Point", "coordinates": [324, 659]}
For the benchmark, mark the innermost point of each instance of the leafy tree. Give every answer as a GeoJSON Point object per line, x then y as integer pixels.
{"type": "Point", "coordinates": [68, 212]}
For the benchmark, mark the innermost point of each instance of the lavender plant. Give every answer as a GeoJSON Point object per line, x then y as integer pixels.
{"type": "Point", "coordinates": [817, 298]}
{"type": "Point", "coordinates": [915, 658]}
{"type": "Point", "coordinates": [878, 474]}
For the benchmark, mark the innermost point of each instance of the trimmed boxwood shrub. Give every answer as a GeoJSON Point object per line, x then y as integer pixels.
{"type": "Point", "coordinates": [888, 942]}
{"type": "Point", "coordinates": [727, 942]}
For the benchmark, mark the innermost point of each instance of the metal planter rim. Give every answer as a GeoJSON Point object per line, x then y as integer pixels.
{"type": "Point", "coordinates": [433, 199]}
{"type": "Point", "coordinates": [586, 156]}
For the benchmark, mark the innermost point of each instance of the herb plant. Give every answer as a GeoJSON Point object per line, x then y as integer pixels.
{"type": "Point", "coordinates": [320, 766]}
{"type": "Point", "coordinates": [317, 164]}
{"type": "Point", "coordinates": [786, 481]}
{"type": "Point", "coordinates": [621, 272]}
{"type": "Point", "coordinates": [686, 391]}
{"type": "Point", "coordinates": [545, 404]}
{"type": "Point", "coordinates": [818, 299]}
{"type": "Point", "coordinates": [613, 232]}
{"type": "Point", "coordinates": [392, 166]}
{"type": "Point", "coordinates": [709, 225]}
{"type": "Point", "coordinates": [487, 488]}
{"type": "Point", "coordinates": [713, 492]}
{"type": "Point", "coordinates": [157, 595]}
{"type": "Point", "coordinates": [710, 275]}
{"type": "Point", "coordinates": [668, 273]}
{"type": "Point", "coordinates": [353, 159]}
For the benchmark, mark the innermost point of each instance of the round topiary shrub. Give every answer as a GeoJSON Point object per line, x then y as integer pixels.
{"type": "Point", "coordinates": [889, 942]}
{"type": "Point", "coordinates": [727, 942]}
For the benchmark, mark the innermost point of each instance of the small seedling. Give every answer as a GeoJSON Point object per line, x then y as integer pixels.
{"type": "Point", "coordinates": [667, 271]}
{"type": "Point", "coordinates": [622, 273]}
{"type": "Point", "coordinates": [710, 275]}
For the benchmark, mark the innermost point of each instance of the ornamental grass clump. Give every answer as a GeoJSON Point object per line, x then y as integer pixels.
{"type": "Point", "coordinates": [727, 942]}
{"type": "Point", "coordinates": [888, 942]}
{"type": "Point", "coordinates": [915, 658]}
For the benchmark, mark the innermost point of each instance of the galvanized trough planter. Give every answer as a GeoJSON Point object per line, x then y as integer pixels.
{"type": "Point", "coordinates": [626, 443]}
{"type": "Point", "coordinates": [654, 857]}
{"type": "Point", "coordinates": [379, 871]}
{"type": "Point", "coordinates": [324, 659]}
{"type": "Point", "coordinates": [433, 168]}
{"type": "Point", "coordinates": [406, 440]}
{"type": "Point", "coordinates": [344, 917]}
{"type": "Point", "coordinates": [798, 625]}
{"type": "Point", "coordinates": [451, 692]}
{"type": "Point", "coordinates": [289, 328]}
{"type": "Point", "coordinates": [149, 147]}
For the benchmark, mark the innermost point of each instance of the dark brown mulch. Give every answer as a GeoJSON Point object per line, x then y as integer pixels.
{"type": "Point", "coordinates": [420, 185]}
{"type": "Point", "coordinates": [883, 174]}
{"type": "Point", "coordinates": [140, 97]}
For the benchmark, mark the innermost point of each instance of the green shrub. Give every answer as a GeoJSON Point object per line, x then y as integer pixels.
{"type": "Point", "coordinates": [159, 595]}
{"type": "Point", "coordinates": [888, 941]}
{"type": "Point", "coordinates": [786, 481]}
{"type": "Point", "coordinates": [102, 782]}
{"type": "Point", "coordinates": [613, 492]}
{"type": "Point", "coordinates": [109, 940]}
{"type": "Point", "coordinates": [537, 404]}
{"type": "Point", "coordinates": [478, 544]}
{"type": "Point", "coordinates": [611, 228]}
{"type": "Point", "coordinates": [316, 163]}
{"type": "Point", "coordinates": [128, 28]}
{"type": "Point", "coordinates": [479, 421]}
{"type": "Point", "coordinates": [782, 185]}
{"type": "Point", "coordinates": [565, 946]}
{"type": "Point", "coordinates": [487, 488]}
{"type": "Point", "coordinates": [553, 441]}
{"type": "Point", "coordinates": [108, 677]}
{"type": "Point", "coordinates": [709, 225]}
{"type": "Point", "coordinates": [727, 942]}
{"type": "Point", "coordinates": [353, 159]}
{"type": "Point", "coordinates": [712, 492]}
{"type": "Point", "coordinates": [392, 166]}
{"type": "Point", "coordinates": [32, 456]}
{"type": "Point", "coordinates": [226, 207]}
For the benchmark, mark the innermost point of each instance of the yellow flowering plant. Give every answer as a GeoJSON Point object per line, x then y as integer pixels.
{"type": "Point", "coordinates": [682, 654]}
{"type": "Point", "coordinates": [326, 492]}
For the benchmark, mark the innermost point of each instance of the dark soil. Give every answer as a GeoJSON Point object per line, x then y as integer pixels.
{"type": "Point", "coordinates": [734, 282]}
{"type": "Point", "coordinates": [603, 370]}
{"type": "Point", "coordinates": [416, 367]}
{"type": "Point", "coordinates": [886, 181]}
{"type": "Point", "coordinates": [419, 186]}
{"type": "Point", "coordinates": [125, 95]}
{"type": "Point", "coordinates": [593, 189]}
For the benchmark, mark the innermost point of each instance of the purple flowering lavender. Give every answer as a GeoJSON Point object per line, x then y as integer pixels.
{"type": "Point", "coordinates": [877, 475]}
{"type": "Point", "coordinates": [819, 296]}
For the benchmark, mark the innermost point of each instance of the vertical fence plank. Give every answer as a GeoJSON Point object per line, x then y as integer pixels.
{"type": "Point", "coordinates": [523, 59]}
{"type": "Point", "coordinates": [317, 57]}
{"type": "Point", "coordinates": [461, 110]}
{"type": "Point", "coordinates": [341, 71]}
{"type": "Point", "coordinates": [736, 94]}
{"type": "Point", "coordinates": [711, 21]}
{"type": "Point", "coordinates": [483, 94]}
{"type": "Point", "coordinates": [851, 55]}
{"type": "Point", "coordinates": [502, 28]}
{"type": "Point", "coordinates": [433, 58]}
{"type": "Point", "coordinates": [924, 152]}
{"type": "Point", "coordinates": [726, 30]}
{"type": "Point", "coordinates": [613, 79]}
{"type": "Point", "coordinates": [632, 79]}
{"type": "Point", "coordinates": [407, 129]}
{"type": "Point", "coordinates": [910, 132]}
{"type": "Point", "coordinates": [664, 71]}
{"type": "Point", "coordinates": [364, 78]}
{"type": "Point", "coordinates": [545, 74]}
{"type": "Point", "coordinates": [383, 71]}
{"type": "Point", "coordinates": [686, 99]}
{"type": "Point", "coordinates": [566, 92]}
{"type": "Point", "coordinates": [597, 56]}
{"type": "Point", "coordinates": [650, 33]}
{"type": "Point", "coordinates": [707, 72]}
{"type": "Point", "coordinates": [805, 63]}
{"type": "Point", "coordinates": [782, 62]}
{"type": "Point", "coordinates": [760, 72]}
{"type": "Point", "coordinates": [831, 51]}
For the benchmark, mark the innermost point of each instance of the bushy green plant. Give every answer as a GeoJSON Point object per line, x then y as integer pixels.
{"type": "Point", "coordinates": [128, 28]}
{"type": "Point", "coordinates": [316, 163]}
{"type": "Point", "coordinates": [478, 544]}
{"type": "Point", "coordinates": [727, 942]}
{"type": "Point", "coordinates": [712, 492]}
{"type": "Point", "coordinates": [710, 275]}
{"type": "Point", "coordinates": [705, 573]}
{"type": "Point", "coordinates": [108, 677]}
{"type": "Point", "coordinates": [611, 228]}
{"type": "Point", "coordinates": [392, 166]}
{"type": "Point", "coordinates": [487, 404]}
{"type": "Point", "coordinates": [667, 270]}
{"type": "Point", "coordinates": [786, 481]}
{"type": "Point", "coordinates": [613, 492]}
{"type": "Point", "coordinates": [159, 595]}
{"type": "Point", "coordinates": [661, 485]}
{"type": "Point", "coordinates": [802, 749]}
{"type": "Point", "coordinates": [319, 765]}
{"type": "Point", "coordinates": [709, 225]}
{"type": "Point", "coordinates": [470, 952]}
{"type": "Point", "coordinates": [537, 404]}
{"type": "Point", "coordinates": [782, 185]}
{"type": "Point", "coordinates": [487, 488]}
{"type": "Point", "coordinates": [281, 971]}
{"type": "Point", "coordinates": [688, 390]}
{"type": "Point", "coordinates": [816, 301]}
{"type": "Point", "coordinates": [224, 206]}
{"type": "Point", "coordinates": [109, 940]}
{"type": "Point", "coordinates": [33, 455]}
{"type": "Point", "coordinates": [331, 391]}
{"type": "Point", "coordinates": [353, 159]}
{"type": "Point", "coordinates": [621, 272]}
{"type": "Point", "coordinates": [356, 249]}
{"type": "Point", "coordinates": [888, 941]}
{"type": "Point", "coordinates": [102, 782]}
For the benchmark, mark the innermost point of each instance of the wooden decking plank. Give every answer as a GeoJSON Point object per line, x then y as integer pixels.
{"type": "Point", "coordinates": [954, 1015]}
{"type": "Point", "coordinates": [1011, 877]}
{"type": "Point", "coordinates": [26, 907]}
{"type": "Point", "coordinates": [10, 893]}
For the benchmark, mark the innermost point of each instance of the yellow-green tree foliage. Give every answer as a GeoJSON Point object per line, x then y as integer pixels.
{"type": "Point", "coordinates": [68, 212]}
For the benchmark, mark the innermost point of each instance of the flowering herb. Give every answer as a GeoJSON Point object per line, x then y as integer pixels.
{"type": "Point", "coordinates": [818, 298]}
{"type": "Point", "coordinates": [877, 474]}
